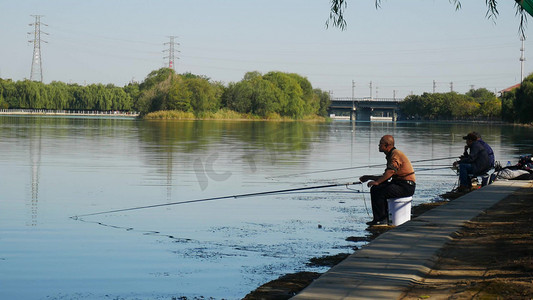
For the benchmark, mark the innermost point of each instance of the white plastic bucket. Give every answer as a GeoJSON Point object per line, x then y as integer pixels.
{"type": "Point", "coordinates": [399, 210]}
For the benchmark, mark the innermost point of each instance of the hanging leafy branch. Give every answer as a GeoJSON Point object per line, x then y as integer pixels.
{"type": "Point", "coordinates": [338, 8]}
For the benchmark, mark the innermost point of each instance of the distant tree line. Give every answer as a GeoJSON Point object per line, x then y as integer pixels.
{"type": "Point", "coordinates": [479, 104]}
{"type": "Point", "coordinates": [272, 94]}
{"type": "Point", "coordinates": [61, 96]}
{"type": "Point", "coordinates": [515, 106]}
{"type": "Point", "coordinates": [265, 95]}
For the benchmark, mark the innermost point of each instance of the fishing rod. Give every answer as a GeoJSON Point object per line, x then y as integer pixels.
{"type": "Point", "coordinates": [432, 169]}
{"type": "Point", "coordinates": [416, 171]}
{"type": "Point", "coordinates": [358, 167]}
{"type": "Point", "coordinates": [216, 198]}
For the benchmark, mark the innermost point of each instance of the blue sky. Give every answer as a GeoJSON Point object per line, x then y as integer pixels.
{"type": "Point", "coordinates": [401, 47]}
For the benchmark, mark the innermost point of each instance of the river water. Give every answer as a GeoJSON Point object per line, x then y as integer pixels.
{"type": "Point", "coordinates": [57, 170]}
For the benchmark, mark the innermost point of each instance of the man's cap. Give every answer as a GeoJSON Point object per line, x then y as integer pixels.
{"type": "Point", "coordinates": [472, 136]}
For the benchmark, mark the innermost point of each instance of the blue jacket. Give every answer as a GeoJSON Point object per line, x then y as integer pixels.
{"type": "Point", "coordinates": [489, 152]}
{"type": "Point", "coordinates": [478, 158]}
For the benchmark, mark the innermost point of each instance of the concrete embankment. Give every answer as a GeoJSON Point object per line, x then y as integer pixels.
{"type": "Point", "coordinates": [386, 268]}
{"type": "Point", "coordinates": [68, 113]}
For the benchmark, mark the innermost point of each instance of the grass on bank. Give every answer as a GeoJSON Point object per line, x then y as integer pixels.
{"type": "Point", "coordinates": [223, 114]}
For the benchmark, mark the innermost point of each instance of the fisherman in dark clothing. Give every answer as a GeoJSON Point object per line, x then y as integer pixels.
{"type": "Point", "coordinates": [487, 148]}
{"type": "Point", "coordinates": [475, 162]}
{"type": "Point", "coordinates": [397, 181]}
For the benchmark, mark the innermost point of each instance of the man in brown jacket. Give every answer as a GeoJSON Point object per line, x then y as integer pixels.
{"type": "Point", "coordinates": [397, 181]}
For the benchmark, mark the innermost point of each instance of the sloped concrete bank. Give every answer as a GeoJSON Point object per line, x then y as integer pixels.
{"type": "Point", "coordinates": [387, 267]}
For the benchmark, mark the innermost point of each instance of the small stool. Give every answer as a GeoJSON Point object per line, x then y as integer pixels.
{"type": "Point", "coordinates": [484, 179]}
{"type": "Point", "coordinates": [399, 210]}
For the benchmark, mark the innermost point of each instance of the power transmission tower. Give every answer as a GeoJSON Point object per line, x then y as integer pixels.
{"type": "Point", "coordinates": [37, 63]}
{"type": "Point", "coordinates": [353, 87]}
{"type": "Point", "coordinates": [522, 58]}
{"type": "Point", "coordinates": [171, 49]}
{"type": "Point", "coordinates": [353, 103]}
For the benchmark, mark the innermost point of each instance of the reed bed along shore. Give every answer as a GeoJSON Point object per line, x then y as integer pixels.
{"type": "Point", "coordinates": [224, 114]}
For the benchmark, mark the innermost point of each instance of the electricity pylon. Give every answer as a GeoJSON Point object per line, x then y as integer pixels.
{"type": "Point", "coordinates": [171, 50]}
{"type": "Point", "coordinates": [37, 63]}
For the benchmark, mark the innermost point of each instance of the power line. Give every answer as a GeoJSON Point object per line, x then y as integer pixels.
{"type": "Point", "coordinates": [37, 63]}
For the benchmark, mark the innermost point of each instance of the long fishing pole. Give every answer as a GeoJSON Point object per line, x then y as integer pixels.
{"type": "Point", "coordinates": [432, 169]}
{"type": "Point", "coordinates": [358, 167]}
{"type": "Point", "coordinates": [216, 198]}
{"type": "Point", "coordinates": [418, 170]}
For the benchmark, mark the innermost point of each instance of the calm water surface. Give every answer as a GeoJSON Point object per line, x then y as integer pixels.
{"type": "Point", "coordinates": [55, 168]}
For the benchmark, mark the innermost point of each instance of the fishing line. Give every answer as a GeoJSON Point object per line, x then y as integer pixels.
{"type": "Point", "coordinates": [364, 198]}
{"type": "Point", "coordinates": [358, 167]}
{"type": "Point", "coordinates": [216, 198]}
{"type": "Point", "coordinates": [144, 232]}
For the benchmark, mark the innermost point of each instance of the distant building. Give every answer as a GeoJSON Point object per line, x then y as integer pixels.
{"type": "Point", "coordinates": [509, 89]}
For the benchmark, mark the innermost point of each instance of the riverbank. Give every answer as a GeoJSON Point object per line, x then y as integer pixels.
{"type": "Point", "coordinates": [490, 258]}
{"type": "Point", "coordinates": [89, 113]}
{"type": "Point", "coordinates": [289, 285]}
{"type": "Point", "coordinates": [500, 234]}
{"type": "Point", "coordinates": [162, 115]}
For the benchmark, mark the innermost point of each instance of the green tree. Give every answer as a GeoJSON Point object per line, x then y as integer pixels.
{"type": "Point", "coordinates": [179, 96]}
{"type": "Point", "coordinates": [10, 93]}
{"type": "Point", "coordinates": [311, 102]}
{"type": "Point", "coordinates": [203, 95]}
{"type": "Point", "coordinates": [156, 77]}
{"type": "Point", "coordinates": [154, 95]}
{"type": "Point", "coordinates": [28, 94]}
{"type": "Point", "coordinates": [238, 96]}
{"type": "Point", "coordinates": [410, 106]}
{"type": "Point", "coordinates": [290, 100]}
{"type": "Point", "coordinates": [508, 111]}
{"type": "Point", "coordinates": [431, 105]}
{"type": "Point", "coordinates": [81, 98]}
{"type": "Point", "coordinates": [324, 101]}
{"type": "Point", "coordinates": [523, 103]}
{"type": "Point", "coordinates": [3, 102]}
{"type": "Point", "coordinates": [133, 91]}
{"type": "Point", "coordinates": [481, 95]}
{"type": "Point", "coordinates": [265, 97]}
{"type": "Point", "coordinates": [59, 93]}
{"type": "Point", "coordinates": [253, 95]}
{"type": "Point", "coordinates": [252, 75]}
{"type": "Point", "coordinates": [491, 109]}
{"type": "Point", "coordinates": [450, 106]}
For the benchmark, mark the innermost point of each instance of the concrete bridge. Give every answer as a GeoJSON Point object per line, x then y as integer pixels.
{"type": "Point", "coordinates": [362, 109]}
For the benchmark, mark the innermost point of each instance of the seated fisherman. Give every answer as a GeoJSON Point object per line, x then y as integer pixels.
{"type": "Point", "coordinates": [475, 160]}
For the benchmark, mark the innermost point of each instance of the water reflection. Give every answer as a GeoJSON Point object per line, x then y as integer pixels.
{"type": "Point", "coordinates": [54, 168]}
{"type": "Point", "coordinates": [201, 148]}
{"type": "Point", "coordinates": [34, 136]}
{"type": "Point", "coordinates": [191, 136]}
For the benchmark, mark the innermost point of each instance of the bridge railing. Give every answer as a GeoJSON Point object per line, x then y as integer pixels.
{"type": "Point", "coordinates": [367, 99]}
